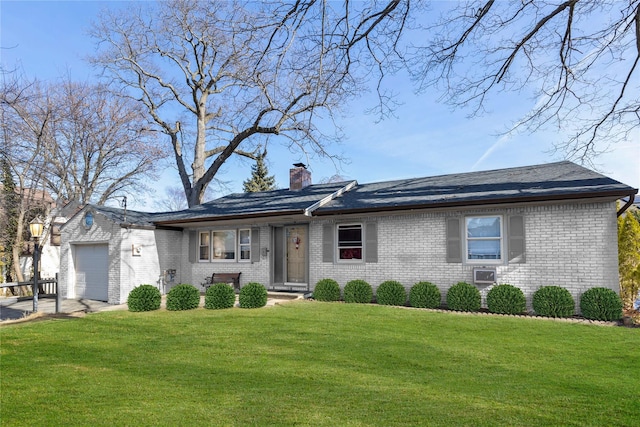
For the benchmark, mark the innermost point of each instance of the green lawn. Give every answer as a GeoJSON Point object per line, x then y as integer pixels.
{"type": "Point", "coordinates": [308, 363]}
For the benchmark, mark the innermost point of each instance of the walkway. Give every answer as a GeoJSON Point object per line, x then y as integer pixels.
{"type": "Point", "coordinates": [13, 308]}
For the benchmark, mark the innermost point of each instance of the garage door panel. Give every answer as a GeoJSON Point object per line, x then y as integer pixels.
{"type": "Point", "coordinates": [92, 272]}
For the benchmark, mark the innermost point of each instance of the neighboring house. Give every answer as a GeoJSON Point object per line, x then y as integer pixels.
{"type": "Point", "coordinates": [552, 224]}
{"type": "Point", "coordinates": [38, 200]}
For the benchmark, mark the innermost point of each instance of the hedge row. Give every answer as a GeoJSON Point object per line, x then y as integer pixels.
{"type": "Point", "coordinates": [549, 301]}
{"type": "Point", "coordinates": [187, 297]}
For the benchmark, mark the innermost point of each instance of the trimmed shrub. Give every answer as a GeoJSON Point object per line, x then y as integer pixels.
{"type": "Point", "coordinates": [506, 299]}
{"type": "Point", "coordinates": [424, 295]}
{"type": "Point", "coordinates": [253, 295]}
{"type": "Point", "coordinates": [553, 301]}
{"type": "Point", "coordinates": [183, 297]}
{"type": "Point", "coordinates": [219, 296]}
{"type": "Point", "coordinates": [326, 290]}
{"type": "Point", "coordinates": [463, 297]}
{"type": "Point", "coordinates": [144, 298]}
{"type": "Point", "coordinates": [391, 293]}
{"type": "Point", "coordinates": [601, 304]}
{"type": "Point", "coordinates": [358, 291]}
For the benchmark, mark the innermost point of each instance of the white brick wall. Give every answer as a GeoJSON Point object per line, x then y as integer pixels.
{"type": "Point", "coordinates": [74, 233]}
{"type": "Point", "coordinates": [251, 272]}
{"type": "Point", "coordinates": [572, 245]}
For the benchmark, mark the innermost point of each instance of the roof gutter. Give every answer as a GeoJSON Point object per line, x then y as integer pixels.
{"type": "Point", "coordinates": [309, 211]}
{"type": "Point", "coordinates": [227, 217]}
{"type": "Point", "coordinates": [627, 205]}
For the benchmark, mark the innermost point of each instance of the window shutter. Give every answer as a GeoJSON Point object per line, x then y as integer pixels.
{"type": "Point", "coordinates": [193, 246]}
{"type": "Point", "coordinates": [454, 242]}
{"type": "Point", "coordinates": [516, 239]}
{"type": "Point", "coordinates": [327, 243]}
{"type": "Point", "coordinates": [255, 245]}
{"type": "Point", "coordinates": [371, 242]}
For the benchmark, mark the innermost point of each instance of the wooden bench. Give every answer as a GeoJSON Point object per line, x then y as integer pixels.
{"type": "Point", "coordinates": [230, 278]}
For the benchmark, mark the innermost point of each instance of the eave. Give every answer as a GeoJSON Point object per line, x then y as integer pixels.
{"type": "Point", "coordinates": [610, 195]}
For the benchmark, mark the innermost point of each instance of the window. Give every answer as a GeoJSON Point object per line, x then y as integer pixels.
{"type": "Point", "coordinates": [224, 245]}
{"type": "Point", "coordinates": [244, 244]}
{"type": "Point", "coordinates": [484, 238]}
{"type": "Point", "coordinates": [241, 245]}
{"type": "Point", "coordinates": [350, 242]}
{"type": "Point", "coordinates": [204, 247]}
{"type": "Point", "coordinates": [56, 235]}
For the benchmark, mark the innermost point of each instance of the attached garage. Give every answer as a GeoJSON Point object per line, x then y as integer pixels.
{"type": "Point", "coordinates": [92, 272]}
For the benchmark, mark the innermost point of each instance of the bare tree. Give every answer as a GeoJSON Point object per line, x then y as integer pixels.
{"type": "Point", "coordinates": [174, 200]}
{"type": "Point", "coordinates": [22, 146]}
{"type": "Point", "coordinates": [100, 146]}
{"type": "Point", "coordinates": [75, 140]}
{"type": "Point", "coordinates": [219, 78]}
{"type": "Point", "coordinates": [580, 57]}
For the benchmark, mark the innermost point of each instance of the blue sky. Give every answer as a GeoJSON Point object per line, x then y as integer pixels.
{"type": "Point", "coordinates": [47, 39]}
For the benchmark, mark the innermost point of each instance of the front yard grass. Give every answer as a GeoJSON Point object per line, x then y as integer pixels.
{"type": "Point", "coordinates": [307, 363]}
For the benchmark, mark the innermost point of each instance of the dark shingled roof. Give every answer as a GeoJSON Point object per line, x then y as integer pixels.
{"type": "Point", "coordinates": [117, 215]}
{"type": "Point", "coordinates": [553, 181]}
{"type": "Point", "coordinates": [260, 204]}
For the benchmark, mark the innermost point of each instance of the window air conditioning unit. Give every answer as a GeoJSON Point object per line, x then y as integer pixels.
{"type": "Point", "coordinates": [482, 275]}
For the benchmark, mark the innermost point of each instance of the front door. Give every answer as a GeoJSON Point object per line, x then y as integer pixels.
{"type": "Point", "coordinates": [290, 258]}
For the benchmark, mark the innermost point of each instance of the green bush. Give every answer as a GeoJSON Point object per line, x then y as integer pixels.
{"type": "Point", "coordinates": [391, 293]}
{"type": "Point", "coordinates": [144, 298]}
{"type": "Point", "coordinates": [553, 301]}
{"type": "Point", "coordinates": [253, 295]}
{"type": "Point", "coordinates": [327, 290]}
{"type": "Point", "coordinates": [358, 291]}
{"type": "Point", "coordinates": [601, 304]}
{"type": "Point", "coordinates": [183, 297]}
{"type": "Point", "coordinates": [219, 295]}
{"type": "Point", "coordinates": [506, 299]}
{"type": "Point", "coordinates": [424, 295]}
{"type": "Point", "coordinates": [463, 297]}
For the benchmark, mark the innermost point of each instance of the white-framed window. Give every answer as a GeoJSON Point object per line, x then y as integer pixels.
{"type": "Point", "coordinates": [224, 245]}
{"type": "Point", "coordinates": [484, 239]}
{"type": "Point", "coordinates": [244, 244]}
{"type": "Point", "coordinates": [350, 242]}
{"type": "Point", "coordinates": [204, 246]}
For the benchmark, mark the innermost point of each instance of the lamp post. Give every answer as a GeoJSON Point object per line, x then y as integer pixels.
{"type": "Point", "coordinates": [36, 227]}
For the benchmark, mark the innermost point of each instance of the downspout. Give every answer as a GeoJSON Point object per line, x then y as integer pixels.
{"type": "Point", "coordinates": [627, 205]}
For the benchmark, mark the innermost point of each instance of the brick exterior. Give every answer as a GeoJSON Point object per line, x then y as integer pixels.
{"type": "Point", "coordinates": [103, 231]}
{"type": "Point", "coordinates": [572, 245]}
{"type": "Point", "coordinates": [251, 271]}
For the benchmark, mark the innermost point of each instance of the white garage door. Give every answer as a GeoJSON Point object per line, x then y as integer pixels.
{"type": "Point", "coordinates": [92, 272]}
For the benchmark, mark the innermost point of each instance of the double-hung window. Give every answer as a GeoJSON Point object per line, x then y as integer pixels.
{"type": "Point", "coordinates": [244, 244]}
{"type": "Point", "coordinates": [204, 245]}
{"type": "Point", "coordinates": [484, 239]}
{"type": "Point", "coordinates": [350, 242]}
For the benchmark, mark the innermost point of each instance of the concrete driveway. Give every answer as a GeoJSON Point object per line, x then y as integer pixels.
{"type": "Point", "coordinates": [15, 308]}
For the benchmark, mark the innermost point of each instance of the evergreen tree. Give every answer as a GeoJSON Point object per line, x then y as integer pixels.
{"type": "Point", "coordinates": [629, 258]}
{"type": "Point", "coordinates": [8, 225]}
{"type": "Point", "coordinates": [259, 181]}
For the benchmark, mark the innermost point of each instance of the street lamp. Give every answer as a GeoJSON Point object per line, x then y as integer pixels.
{"type": "Point", "coordinates": [36, 227]}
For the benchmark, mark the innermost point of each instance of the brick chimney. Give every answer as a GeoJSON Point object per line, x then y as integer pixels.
{"type": "Point", "coordinates": [299, 177]}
